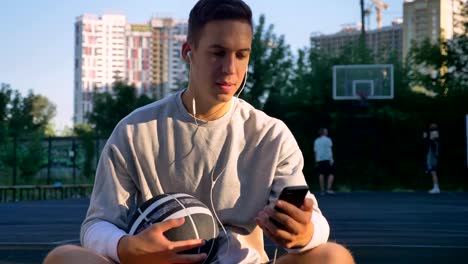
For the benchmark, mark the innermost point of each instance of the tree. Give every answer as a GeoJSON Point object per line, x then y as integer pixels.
{"type": "Point", "coordinates": [29, 115]}
{"type": "Point", "coordinates": [440, 68]}
{"type": "Point", "coordinates": [86, 135]}
{"type": "Point", "coordinates": [23, 123]}
{"type": "Point", "coordinates": [5, 98]}
{"type": "Point", "coordinates": [426, 62]}
{"type": "Point", "coordinates": [110, 107]}
{"type": "Point", "coordinates": [457, 52]}
{"type": "Point", "coordinates": [270, 67]}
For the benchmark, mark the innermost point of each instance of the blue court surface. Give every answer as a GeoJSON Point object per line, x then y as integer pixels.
{"type": "Point", "coordinates": [378, 227]}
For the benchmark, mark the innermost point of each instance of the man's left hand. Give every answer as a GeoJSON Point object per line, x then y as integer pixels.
{"type": "Point", "coordinates": [296, 230]}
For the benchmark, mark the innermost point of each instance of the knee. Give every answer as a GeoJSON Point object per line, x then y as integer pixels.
{"type": "Point", "coordinates": [331, 253]}
{"type": "Point", "coordinates": [61, 254]}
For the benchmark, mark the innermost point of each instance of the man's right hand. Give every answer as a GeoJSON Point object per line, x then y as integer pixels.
{"type": "Point", "coordinates": [151, 246]}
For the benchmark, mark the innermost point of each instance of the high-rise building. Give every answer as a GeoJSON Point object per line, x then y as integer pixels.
{"type": "Point", "coordinates": [177, 74]}
{"type": "Point", "coordinates": [168, 66]}
{"type": "Point", "coordinates": [99, 58]}
{"type": "Point", "coordinates": [380, 41]}
{"type": "Point", "coordinates": [429, 19]}
{"type": "Point", "coordinates": [107, 49]}
{"type": "Point", "coordinates": [138, 56]}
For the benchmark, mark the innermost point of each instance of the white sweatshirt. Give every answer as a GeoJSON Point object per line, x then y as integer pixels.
{"type": "Point", "coordinates": [158, 149]}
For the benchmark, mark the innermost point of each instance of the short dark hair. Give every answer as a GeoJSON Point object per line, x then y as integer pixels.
{"type": "Point", "coordinates": [322, 130]}
{"type": "Point", "coordinates": [205, 11]}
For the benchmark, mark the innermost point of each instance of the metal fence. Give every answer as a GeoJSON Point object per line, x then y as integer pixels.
{"type": "Point", "coordinates": [45, 161]}
{"type": "Point", "coordinates": [43, 192]}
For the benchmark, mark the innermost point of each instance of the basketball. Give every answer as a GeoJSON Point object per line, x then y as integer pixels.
{"type": "Point", "coordinates": [199, 222]}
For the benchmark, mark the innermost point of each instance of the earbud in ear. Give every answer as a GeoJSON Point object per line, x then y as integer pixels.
{"type": "Point", "coordinates": [189, 56]}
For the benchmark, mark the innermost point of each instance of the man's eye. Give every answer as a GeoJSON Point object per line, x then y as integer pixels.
{"type": "Point", "coordinates": [218, 53]}
{"type": "Point", "coordinates": [241, 55]}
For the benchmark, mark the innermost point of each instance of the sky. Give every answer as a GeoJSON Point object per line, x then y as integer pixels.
{"type": "Point", "coordinates": [37, 36]}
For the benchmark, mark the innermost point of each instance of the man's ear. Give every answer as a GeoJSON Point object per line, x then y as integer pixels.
{"type": "Point", "coordinates": [186, 52]}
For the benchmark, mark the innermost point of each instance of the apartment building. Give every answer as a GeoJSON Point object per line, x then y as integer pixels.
{"type": "Point", "coordinates": [169, 69]}
{"type": "Point", "coordinates": [380, 41]}
{"type": "Point", "coordinates": [99, 58]}
{"type": "Point", "coordinates": [138, 57]}
{"type": "Point", "coordinates": [108, 48]}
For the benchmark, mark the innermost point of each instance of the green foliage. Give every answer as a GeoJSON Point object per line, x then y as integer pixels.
{"type": "Point", "coordinates": [270, 67]}
{"type": "Point", "coordinates": [29, 115]}
{"type": "Point", "coordinates": [441, 67]}
{"type": "Point", "coordinates": [30, 158]}
{"type": "Point", "coordinates": [86, 135]}
{"type": "Point", "coordinates": [110, 107]}
{"type": "Point", "coordinates": [457, 54]}
{"type": "Point", "coordinates": [5, 98]}
{"type": "Point", "coordinates": [378, 146]}
{"type": "Point", "coordinates": [23, 123]}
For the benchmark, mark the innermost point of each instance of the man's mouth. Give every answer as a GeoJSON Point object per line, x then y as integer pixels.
{"type": "Point", "coordinates": [225, 86]}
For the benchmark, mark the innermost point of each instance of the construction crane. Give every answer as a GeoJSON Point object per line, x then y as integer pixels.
{"type": "Point", "coordinates": [379, 5]}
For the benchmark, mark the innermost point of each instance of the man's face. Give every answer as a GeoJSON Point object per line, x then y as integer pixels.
{"type": "Point", "coordinates": [220, 60]}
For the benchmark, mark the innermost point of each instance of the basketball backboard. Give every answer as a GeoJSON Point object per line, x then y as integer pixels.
{"type": "Point", "coordinates": [369, 81]}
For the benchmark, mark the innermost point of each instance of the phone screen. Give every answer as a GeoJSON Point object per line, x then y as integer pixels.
{"type": "Point", "coordinates": [294, 195]}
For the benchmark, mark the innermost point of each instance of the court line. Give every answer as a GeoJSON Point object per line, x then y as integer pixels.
{"type": "Point", "coordinates": [406, 246]}
{"type": "Point", "coordinates": [67, 241]}
{"type": "Point", "coordinates": [394, 246]}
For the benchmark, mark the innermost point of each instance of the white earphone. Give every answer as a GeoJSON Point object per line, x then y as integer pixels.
{"type": "Point", "coordinates": [212, 176]}
{"type": "Point", "coordinates": [189, 56]}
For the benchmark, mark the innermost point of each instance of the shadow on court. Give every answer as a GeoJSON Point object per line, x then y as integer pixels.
{"type": "Point", "coordinates": [377, 227]}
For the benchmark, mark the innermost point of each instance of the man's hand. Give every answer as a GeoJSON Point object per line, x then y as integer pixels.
{"type": "Point", "coordinates": [151, 246]}
{"type": "Point", "coordinates": [297, 229]}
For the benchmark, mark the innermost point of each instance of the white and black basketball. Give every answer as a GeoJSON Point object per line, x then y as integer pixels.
{"type": "Point", "coordinates": [199, 222]}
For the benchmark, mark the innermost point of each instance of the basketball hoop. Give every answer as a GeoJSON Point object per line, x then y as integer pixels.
{"type": "Point", "coordinates": [376, 80]}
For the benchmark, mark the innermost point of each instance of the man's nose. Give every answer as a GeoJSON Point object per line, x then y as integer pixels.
{"type": "Point", "coordinates": [229, 64]}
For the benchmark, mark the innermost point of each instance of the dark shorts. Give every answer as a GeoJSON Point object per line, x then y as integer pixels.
{"type": "Point", "coordinates": [431, 168]}
{"type": "Point", "coordinates": [324, 168]}
{"type": "Point", "coordinates": [432, 165]}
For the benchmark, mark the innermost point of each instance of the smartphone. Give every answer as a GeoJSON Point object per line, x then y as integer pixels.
{"type": "Point", "coordinates": [294, 195]}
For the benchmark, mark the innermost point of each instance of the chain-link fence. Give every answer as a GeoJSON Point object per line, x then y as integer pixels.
{"type": "Point", "coordinates": [50, 160]}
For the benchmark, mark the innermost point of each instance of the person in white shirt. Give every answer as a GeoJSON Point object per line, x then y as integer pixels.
{"type": "Point", "coordinates": [324, 160]}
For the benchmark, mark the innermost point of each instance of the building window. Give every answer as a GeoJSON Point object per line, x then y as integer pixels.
{"type": "Point", "coordinates": [136, 42]}
{"type": "Point", "coordinates": [88, 28]}
{"type": "Point", "coordinates": [136, 76]}
{"type": "Point", "coordinates": [145, 65]}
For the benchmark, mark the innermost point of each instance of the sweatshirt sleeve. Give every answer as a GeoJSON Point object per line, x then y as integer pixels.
{"type": "Point", "coordinates": [103, 237]}
{"type": "Point", "coordinates": [289, 173]}
{"type": "Point", "coordinates": [321, 229]}
{"type": "Point", "coordinates": [112, 196]}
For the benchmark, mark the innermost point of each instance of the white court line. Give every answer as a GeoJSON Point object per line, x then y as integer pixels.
{"type": "Point", "coordinates": [68, 241]}
{"type": "Point", "coordinates": [393, 246]}
{"type": "Point", "coordinates": [406, 246]}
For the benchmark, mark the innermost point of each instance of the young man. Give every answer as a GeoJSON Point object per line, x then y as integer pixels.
{"type": "Point", "coordinates": [205, 142]}
{"type": "Point", "coordinates": [324, 160]}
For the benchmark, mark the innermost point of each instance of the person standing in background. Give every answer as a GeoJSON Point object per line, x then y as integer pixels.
{"type": "Point", "coordinates": [324, 160]}
{"type": "Point", "coordinates": [432, 156]}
